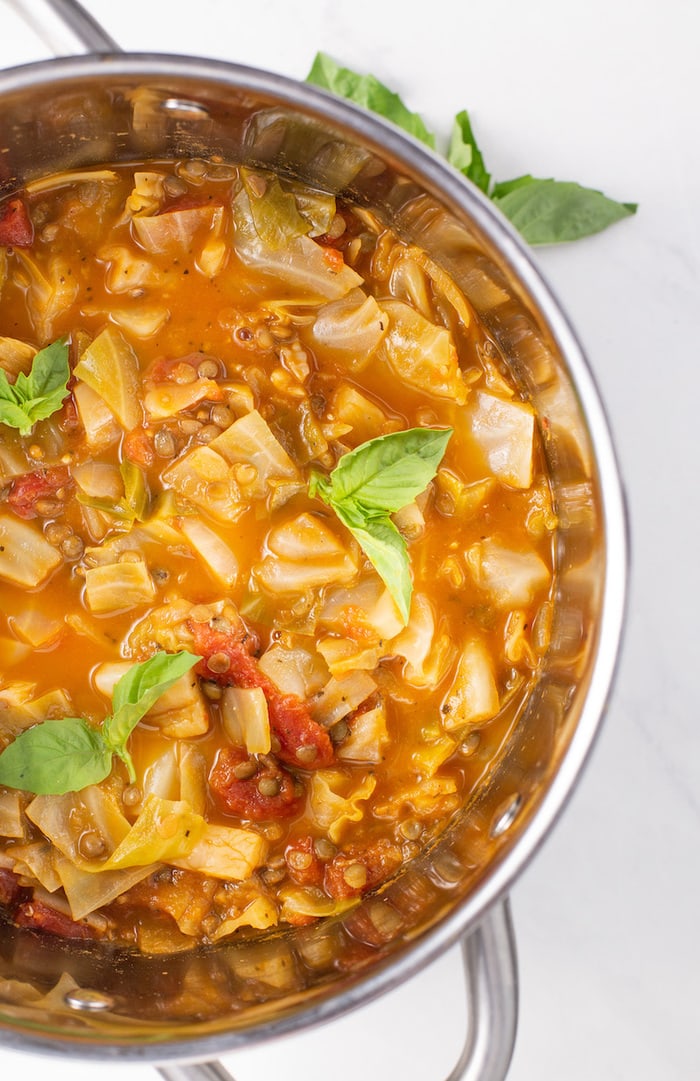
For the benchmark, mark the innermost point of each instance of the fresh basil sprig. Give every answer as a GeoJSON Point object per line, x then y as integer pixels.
{"type": "Point", "coordinates": [38, 394]}
{"type": "Point", "coordinates": [65, 755]}
{"type": "Point", "coordinates": [374, 481]}
{"type": "Point", "coordinates": [544, 211]}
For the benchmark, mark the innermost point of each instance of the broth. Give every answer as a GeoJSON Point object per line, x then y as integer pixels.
{"type": "Point", "coordinates": [231, 339]}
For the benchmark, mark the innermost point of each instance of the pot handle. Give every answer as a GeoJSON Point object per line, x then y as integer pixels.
{"type": "Point", "coordinates": [65, 27]}
{"type": "Point", "coordinates": [490, 970]}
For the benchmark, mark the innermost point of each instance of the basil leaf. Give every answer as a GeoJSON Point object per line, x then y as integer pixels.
{"type": "Point", "coordinates": [370, 483]}
{"type": "Point", "coordinates": [139, 689]}
{"type": "Point", "coordinates": [55, 757]}
{"type": "Point", "coordinates": [544, 211]}
{"type": "Point", "coordinates": [48, 374]}
{"type": "Point", "coordinates": [386, 550]}
{"type": "Point", "coordinates": [367, 91]}
{"type": "Point", "coordinates": [40, 393]}
{"type": "Point", "coordinates": [14, 416]}
{"type": "Point", "coordinates": [464, 153]}
{"type": "Point", "coordinates": [387, 473]}
{"type": "Point", "coordinates": [554, 211]}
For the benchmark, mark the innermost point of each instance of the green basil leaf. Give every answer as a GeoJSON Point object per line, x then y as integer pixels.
{"type": "Point", "coordinates": [48, 374]}
{"type": "Point", "coordinates": [387, 473]}
{"type": "Point", "coordinates": [544, 211]}
{"type": "Point", "coordinates": [554, 211]}
{"type": "Point", "coordinates": [367, 91]}
{"type": "Point", "coordinates": [55, 757]}
{"type": "Point", "coordinates": [504, 187]}
{"type": "Point", "coordinates": [386, 550]}
{"type": "Point", "coordinates": [39, 394]}
{"type": "Point", "coordinates": [139, 689]}
{"type": "Point", "coordinates": [14, 416]}
{"type": "Point", "coordinates": [464, 153]}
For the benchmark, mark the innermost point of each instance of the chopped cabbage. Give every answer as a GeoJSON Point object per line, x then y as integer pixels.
{"type": "Point", "coordinates": [343, 655]}
{"type": "Point", "coordinates": [216, 555]}
{"type": "Point", "coordinates": [428, 758]}
{"type": "Point", "coordinates": [64, 819]}
{"type": "Point", "coordinates": [244, 716]}
{"type": "Point", "coordinates": [330, 808]}
{"type": "Point", "coordinates": [101, 480]}
{"type": "Point", "coordinates": [352, 326]}
{"type": "Point", "coordinates": [169, 399]}
{"type": "Point", "coordinates": [473, 697]}
{"type": "Point", "coordinates": [98, 420]}
{"type": "Point", "coordinates": [225, 852]}
{"type": "Point", "coordinates": [362, 418]}
{"type": "Point", "coordinates": [179, 713]}
{"type": "Point", "coordinates": [365, 610]}
{"type": "Point", "coordinates": [37, 860]}
{"type": "Point", "coordinates": [305, 555]}
{"type": "Point", "coordinates": [341, 696]}
{"type": "Point", "coordinates": [260, 913]}
{"type": "Point", "coordinates": [117, 587]}
{"type": "Point", "coordinates": [250, 441]}
{"type": "Point", "coordinates": [294, 668]}
{"type": "Point", "coordinates": [368, 737]}
{"type": "Point", "coordinates": [173, 231]}
{"type": "Point", "coordinates": [193, 777]}
{"type": "Point", "coordinates": [504, 431]}
{"type": "Point", "coordinates": [301, 263]}
{"type": "Point", "coordinates": [510, 578]}
{"type": "Point", "coordinates": [90, 890]}
{"type": "Point", "coordinates": [37, 627]}
{"type": "Point", "coordinates": [11, 818]}
{"type": "Point", "coordinates": [26, 557]}
{"type": "Point", "coordinates": [15, 356]}
{"type": "Point", "coordinates": [310, 902]}
{"type": "Point", "coordinates": [202, 477]}
{"type": "Point", "coordinates": [422, 353]}
{"type": "Point", "coordinates": [427, 655]}
{"type": "Point", "coordinates": [141, 320]}
{"type": "Point", "coordinates": [147, 193]}
{"type": "Point", "coordinates": [165, 830]}
{"type": "Point", "coordinates": [126, 272]}
{"type": "Point", "coordinates": [50, 291]}
{"type": "Point", "coordinates": [110, 366]}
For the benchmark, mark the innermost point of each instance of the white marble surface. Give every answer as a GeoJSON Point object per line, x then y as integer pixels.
{"type": "Point", "coordinates": [604, 92]}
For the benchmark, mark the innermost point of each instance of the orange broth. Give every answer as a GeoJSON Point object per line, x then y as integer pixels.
{"type": "Point", "coordinates": [240, 299]}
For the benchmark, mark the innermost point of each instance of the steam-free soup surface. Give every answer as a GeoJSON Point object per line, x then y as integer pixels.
{"type": "Point", "coordinates": [350, 668]}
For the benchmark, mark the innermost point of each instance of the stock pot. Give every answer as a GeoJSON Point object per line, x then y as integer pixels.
{"type": "Point", "coordinates": [181, 1012]}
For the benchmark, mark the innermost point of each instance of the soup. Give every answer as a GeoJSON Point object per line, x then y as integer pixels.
{"type": "Point", "coordinates": [276, 554]}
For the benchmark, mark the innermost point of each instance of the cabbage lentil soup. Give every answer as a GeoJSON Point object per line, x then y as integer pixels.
{"type": "Point", "coordinates": [275, 554]}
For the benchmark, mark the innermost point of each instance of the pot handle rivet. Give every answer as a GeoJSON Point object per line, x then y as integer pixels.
{"type": "Point", "coordinates": [86, 1000]}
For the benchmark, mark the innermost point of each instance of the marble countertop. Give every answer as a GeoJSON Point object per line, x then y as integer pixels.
{"type": "Point", "coordinates": [605, 93]}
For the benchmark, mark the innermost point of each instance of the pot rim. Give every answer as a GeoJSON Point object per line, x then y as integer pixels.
{"type": "Point", "coordinates": [459, 195]}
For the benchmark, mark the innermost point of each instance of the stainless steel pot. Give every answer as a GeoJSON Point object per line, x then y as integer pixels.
{"type": "Point", "coordinates": [181, 1012]}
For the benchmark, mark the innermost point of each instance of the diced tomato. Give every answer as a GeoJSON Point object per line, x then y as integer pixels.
{"type": "Point", "coordinates": [303, 741]}
{"type": "Point", "coordinates": [41, 917]}
{"type": "Point", "coordinates": [16, 229]}
{"type": "Point", "coordinates": [137, 446]}
{"type": "Point", "coordinates": [375, 864]}
{"type": "Point", "coordinates": [334, 258]}
{"type": "Point", "coordinates": [10, 889]}
{"type": "Point", "coordinates": [68, 419]}
{"type": "Point", "coordinates": [303, 864]}
{"type": "Point", "coordinates": [30, 487]}
{"type": "Point", "coordinates": [243, 797]}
